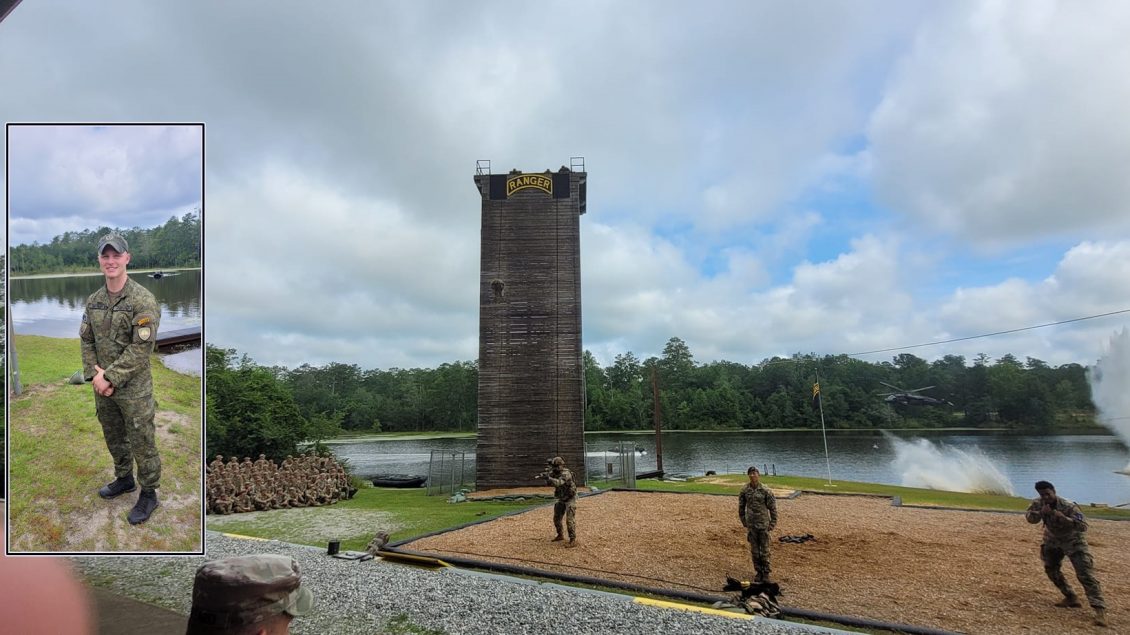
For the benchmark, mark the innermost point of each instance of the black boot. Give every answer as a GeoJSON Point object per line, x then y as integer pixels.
{"type": "Point", "coordinates": [146, 503]}
{"type": "Point", "coordinates": [121, 485]}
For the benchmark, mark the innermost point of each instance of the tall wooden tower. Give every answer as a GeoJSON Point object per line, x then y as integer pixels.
{"type": "Point", "coordinates": [531, 379]}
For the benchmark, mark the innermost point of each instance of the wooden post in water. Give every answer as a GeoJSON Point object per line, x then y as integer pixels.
{"type": "Point", "coordinates": [658, 422]}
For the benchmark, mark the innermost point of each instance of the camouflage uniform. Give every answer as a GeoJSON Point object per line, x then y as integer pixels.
{"type": "Point", "coordinates": [565, 491]}
{"type": "Point", "coordinates": [1064, 537]}
{"type": "Point", "coordinates": [234, 595]}
{"type": "Point", "coordinates": [118, 336]}
{"type": "Point", "coordinates": [757, 509]}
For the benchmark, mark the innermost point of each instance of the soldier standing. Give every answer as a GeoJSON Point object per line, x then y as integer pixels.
{"type": "Point", "coordinates": [757, 509]}
{"type": "Point", "coordinates": [565, 491]}
{"type": "Point", "coordinates": [119, 328]}
{"type": "Point", "coordinates": [1064, 526]}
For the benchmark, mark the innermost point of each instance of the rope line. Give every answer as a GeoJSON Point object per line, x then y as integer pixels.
{"type": "Point", "coordinates": [973, 337]}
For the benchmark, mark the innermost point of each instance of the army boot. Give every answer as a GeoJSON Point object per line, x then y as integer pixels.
{"type": "Point", "coordinates": [1100, 617]}
{"type": "Point", "coordinates": [559, 538]}
{"type": "Point", "coordinates": [120, 485]}
{"type": "Point", "coordinates": [146, 503]}
{"type": "Point", "coordinates": [1069, 602]}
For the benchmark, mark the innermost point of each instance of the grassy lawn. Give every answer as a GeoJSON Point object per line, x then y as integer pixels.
{"type": "Point", "coordinates": [732, 484]}
{"type": "Point", "coordinates": [58, 460]}
{"type": "Point", "coordinates": [404, 513]}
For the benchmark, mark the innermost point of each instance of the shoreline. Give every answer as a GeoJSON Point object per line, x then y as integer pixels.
{"type": "Point", "coordinates": [418, 436]}
{"type": "Point", "coordinates": [36, 276]}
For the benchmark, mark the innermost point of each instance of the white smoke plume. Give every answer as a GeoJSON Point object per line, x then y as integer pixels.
{"type": "Point", "coordinates": [1110, 387]}
{"type": "Point", "coordinates": [925, 464]}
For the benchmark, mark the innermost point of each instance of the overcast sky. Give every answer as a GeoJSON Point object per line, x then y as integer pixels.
{"type": "Point", "coordinates": [765, 178]}
{"type": "Point", "coordinates": [75, 177]}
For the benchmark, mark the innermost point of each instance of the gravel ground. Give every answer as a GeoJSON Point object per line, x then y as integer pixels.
{"type": "Point", "coordinates": [354, 597]}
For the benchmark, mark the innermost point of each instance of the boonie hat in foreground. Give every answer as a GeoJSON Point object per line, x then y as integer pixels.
{"type": "Point", "coordinates": [235, 592]}
{"type": "Point", "coordinates": [115, 240]}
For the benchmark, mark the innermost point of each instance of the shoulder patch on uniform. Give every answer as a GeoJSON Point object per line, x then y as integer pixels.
{"type": "Point", "coordinates": [144, 333]}
{"type": "Point", "coordinates": [142, 321]}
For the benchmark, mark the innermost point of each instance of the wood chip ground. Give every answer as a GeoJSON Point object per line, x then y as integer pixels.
{"type": "Point", "coordinates": [974, 572]}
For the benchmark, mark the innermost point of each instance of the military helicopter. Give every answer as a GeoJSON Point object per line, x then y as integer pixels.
{"type": "Point", "coordinates": [910, 397]}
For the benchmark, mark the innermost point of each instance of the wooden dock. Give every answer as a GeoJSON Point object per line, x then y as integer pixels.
{"type": "Point", "coordinates": [180, 336]}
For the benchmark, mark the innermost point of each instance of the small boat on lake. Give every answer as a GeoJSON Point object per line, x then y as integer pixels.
{"type": "Point", "coordinates": [398, 480]}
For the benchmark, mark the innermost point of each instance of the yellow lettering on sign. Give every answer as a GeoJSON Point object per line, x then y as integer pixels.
{"type": "Point", "coordinates": [527, 181]}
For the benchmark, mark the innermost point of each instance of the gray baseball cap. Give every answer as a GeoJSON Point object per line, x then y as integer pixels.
{"type": "Point", "coordinates": [115, 240]}
{"type": "Point", "coordinates": [235, 592]}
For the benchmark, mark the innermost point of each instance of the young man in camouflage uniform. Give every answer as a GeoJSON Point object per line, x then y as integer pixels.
{"type": "Point", "coordinates": [118, 331]}
{"type": "Point", "coordinates": [565, 491]}
{"type": "Point", "coordinates": [1064, 526]}
{"type": "Point", "coordinates": [757, 509]}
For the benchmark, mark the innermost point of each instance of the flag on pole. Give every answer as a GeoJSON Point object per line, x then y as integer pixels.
{"type": "Point", "coordinates": [816, 395]}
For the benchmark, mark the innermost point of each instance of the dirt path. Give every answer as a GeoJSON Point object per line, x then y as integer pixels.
{"type": "Point", "coordinates": [976, 572]}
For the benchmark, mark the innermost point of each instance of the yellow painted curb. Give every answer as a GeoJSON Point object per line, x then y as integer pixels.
{"type": "Point", "coordinates": [244, 537]}
{"type": "Point", "coordinates": [690, 607]}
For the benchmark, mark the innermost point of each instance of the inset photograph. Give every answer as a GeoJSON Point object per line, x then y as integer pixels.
{"type": "Point", "coordinates": [104, 337]}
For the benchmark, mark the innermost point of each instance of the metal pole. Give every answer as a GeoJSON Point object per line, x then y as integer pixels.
{"type": "Point", "coordinates": [823, 430]}
{"type": "Point", "coordinates": [17, 387]}
{"type": "Point", "coordinates": [431, 474]}
{"type": "Point", "coordinates": [658, 424]}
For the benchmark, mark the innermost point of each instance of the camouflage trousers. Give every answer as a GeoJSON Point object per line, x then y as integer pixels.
{"type": "Point", "coordinates": [566, 511]}
{"type": "Point", "coordinates": [127, 425]}
{"type": "Point", "coordinates": [1053, 552]}
{"type": "Point", "coordinates": [759, 551]}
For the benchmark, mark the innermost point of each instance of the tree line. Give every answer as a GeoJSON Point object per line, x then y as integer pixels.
{"type": "Point", "coordinates": [252, 408]}
{"type": "Point", "coordinates": [174, 244]}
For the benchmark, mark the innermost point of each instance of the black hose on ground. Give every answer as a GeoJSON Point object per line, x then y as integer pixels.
{"type": "Point", "coordinates": [702, 598]}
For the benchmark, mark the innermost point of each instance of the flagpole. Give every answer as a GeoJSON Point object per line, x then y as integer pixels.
{"type": "Point", "coordinates": [823, 430]}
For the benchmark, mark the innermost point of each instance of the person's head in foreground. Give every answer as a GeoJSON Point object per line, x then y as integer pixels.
{"type": "Point", "coordinates": [247, 595]}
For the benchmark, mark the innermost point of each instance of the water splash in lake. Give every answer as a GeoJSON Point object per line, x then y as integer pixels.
{"type": "Point", "coordinates": [925, 464]}
{"type": "Point", "coordinates": [1110, 387]}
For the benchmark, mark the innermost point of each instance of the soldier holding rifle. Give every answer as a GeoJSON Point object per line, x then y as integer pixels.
{"type": "Point", "coordinates": [565, 491]}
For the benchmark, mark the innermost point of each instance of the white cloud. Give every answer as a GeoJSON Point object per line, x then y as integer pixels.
{"type": "Point", "coordinates": [1006, 123]}
{"type": "Point", "coordinates": [342, 223]}
{"type": "Point", "coordinates": [70, 178]}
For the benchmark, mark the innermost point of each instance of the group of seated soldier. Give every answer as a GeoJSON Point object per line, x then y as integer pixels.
{"type": "Point", "coordinates": [303, 481]}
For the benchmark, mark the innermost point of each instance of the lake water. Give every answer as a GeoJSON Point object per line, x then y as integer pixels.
{"type": "Point", "coordinates": [1081, 466]}
{"type": "Point", "coordinates": [53, 306]}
